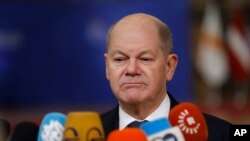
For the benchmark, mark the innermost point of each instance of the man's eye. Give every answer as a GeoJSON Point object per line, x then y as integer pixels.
{"type": "Point", "coordinates": [119, 59]}
{"type": "Point", "coordinates": [147, 59]}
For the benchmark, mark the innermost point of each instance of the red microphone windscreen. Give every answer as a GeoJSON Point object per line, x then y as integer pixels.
{"type": "Point", "coordinates": [127, 134]}
{"type": "Point", "coordinates": [190, 120]}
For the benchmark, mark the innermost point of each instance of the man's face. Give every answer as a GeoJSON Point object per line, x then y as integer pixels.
{"type": "Point", "coordinates": [135, 65]}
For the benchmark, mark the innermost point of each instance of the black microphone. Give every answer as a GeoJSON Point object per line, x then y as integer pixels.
{"type": "Point", "coordinates": [4, 129]}
{"type": "Point", "coordinates": [24, 131]}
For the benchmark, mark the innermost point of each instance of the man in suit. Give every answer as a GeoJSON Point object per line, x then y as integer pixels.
{"type": "Point", "coordinates": [139, 63]}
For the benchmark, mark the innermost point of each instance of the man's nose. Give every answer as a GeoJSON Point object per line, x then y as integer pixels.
{"type": "Point", "coordinates": [133, 68]}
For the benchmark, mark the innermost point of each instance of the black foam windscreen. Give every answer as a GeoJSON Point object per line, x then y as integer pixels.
{"type": "Point", "coordinates": [24, 131]}
{"type": "Point", "coordinates": [4, 129]}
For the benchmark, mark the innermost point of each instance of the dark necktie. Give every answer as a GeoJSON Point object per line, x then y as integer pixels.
{"type": "Point", "coordinates": [136, 123]}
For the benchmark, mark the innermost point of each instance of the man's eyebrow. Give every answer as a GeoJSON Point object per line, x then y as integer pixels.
{"type": "Point", "coordinates": [146, 52]}
{"type": "Point", "coordinates": [116, 51]}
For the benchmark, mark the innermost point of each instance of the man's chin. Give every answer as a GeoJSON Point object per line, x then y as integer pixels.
{"type": "Point", "coordinates": [132, 97]}
{"type": "Point", "coordinates": [132, 100]}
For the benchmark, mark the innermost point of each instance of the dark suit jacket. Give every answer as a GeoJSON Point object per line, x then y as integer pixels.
{"type": "Point", "coordinates": [218, 129]}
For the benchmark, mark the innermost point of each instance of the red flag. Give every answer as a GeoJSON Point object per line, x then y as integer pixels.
{"type": "Point", "coordinates": [238, 48]}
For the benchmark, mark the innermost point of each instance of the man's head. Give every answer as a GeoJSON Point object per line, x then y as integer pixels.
{"type": "Point", "coordinates": [139, 59]}
{"type": "Point", "coordinates": [164, 33]}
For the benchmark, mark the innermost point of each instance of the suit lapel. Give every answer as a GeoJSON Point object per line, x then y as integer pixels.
{"type": "Point", "coordinates": [110, 120]}
{"type": "Point", "coordinates": [173, 102]}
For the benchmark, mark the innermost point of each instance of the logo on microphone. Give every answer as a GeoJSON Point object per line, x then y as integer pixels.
{"type": "Point", "coordinates": [187, 123]}
{"type": "Point", "coordinates": [75, 136]}
{"type": "Point", "coordinates": [93, 134]}
{"type": "Point", "coordinates": [52, 131]}
{"type": "Point", "coordinates": [167, 137]}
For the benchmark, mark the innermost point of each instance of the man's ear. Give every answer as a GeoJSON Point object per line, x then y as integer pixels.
{"type": "Point", "coordinates": [172, 61]}
{"type": "Point", "coordinates": [106, 65]}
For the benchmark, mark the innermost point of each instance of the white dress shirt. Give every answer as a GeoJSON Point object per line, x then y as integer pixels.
{"type": "Point", "coordinates": [160, 112]}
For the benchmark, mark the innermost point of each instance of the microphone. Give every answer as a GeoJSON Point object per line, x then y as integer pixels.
{"type": "Point", "coordinates": [127, 134]}
{"type": "Point", "coordinates": [190, 120]}
{"type": "Point", "coordinates": [4, 129]}
{"type": "Point", "coordinates": [161, 130]}
{"type": "Point", "coordinates": [83, 126]}
{"type": "Point", "coordinates": [52, 126]}
{"type": "Point", "coordinates": [24, 131]}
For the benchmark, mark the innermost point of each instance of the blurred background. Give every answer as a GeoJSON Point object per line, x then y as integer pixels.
{"type": "Point", "coordinates": [51, 55]}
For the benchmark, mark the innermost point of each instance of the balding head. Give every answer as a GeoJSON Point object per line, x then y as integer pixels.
{"type": "Point", "coordinates": [145, 22]}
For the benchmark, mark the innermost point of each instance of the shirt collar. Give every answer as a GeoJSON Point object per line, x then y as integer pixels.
{"type": "Point", "coordinates": [160, 112]}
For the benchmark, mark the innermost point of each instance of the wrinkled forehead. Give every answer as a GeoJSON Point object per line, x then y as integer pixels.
{"type": "Point", "coordinates": [131, 37]}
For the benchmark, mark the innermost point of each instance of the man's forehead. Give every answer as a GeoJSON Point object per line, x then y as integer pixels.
{"type": "Point", "coordinates": [135, 30]}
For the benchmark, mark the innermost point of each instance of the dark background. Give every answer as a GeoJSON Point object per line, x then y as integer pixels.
{"type": "Point", "coordinates": [51, 56]}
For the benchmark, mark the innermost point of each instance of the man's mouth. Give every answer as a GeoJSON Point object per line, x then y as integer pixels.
{"type": "Point", "coordinates": [132, 84]}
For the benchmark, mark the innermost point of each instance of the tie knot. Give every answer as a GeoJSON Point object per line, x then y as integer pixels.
{"type": "Point", "coordinates": [136, 123]}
